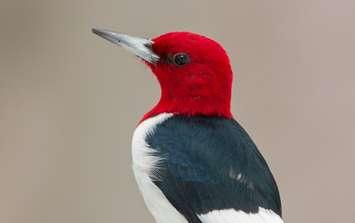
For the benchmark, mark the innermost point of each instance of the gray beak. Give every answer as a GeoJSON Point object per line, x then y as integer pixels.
{"type": "Point", "coordinates": [140, 47]}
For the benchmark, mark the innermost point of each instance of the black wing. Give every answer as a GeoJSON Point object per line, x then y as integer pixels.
{"type": "Point", "coordinates": [211, 164]}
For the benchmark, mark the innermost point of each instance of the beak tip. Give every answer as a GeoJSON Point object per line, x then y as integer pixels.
{"type": "Point", "coordinates": [95, 31]}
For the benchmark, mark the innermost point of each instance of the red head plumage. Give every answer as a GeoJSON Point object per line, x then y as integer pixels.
{"type": "Point", "coordinates": [194, 72]}
{"type": "Point", "coordinates": [201, 84]}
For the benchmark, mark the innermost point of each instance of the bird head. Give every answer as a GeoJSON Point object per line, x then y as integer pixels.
{"type": "Point", "coordinates": [194, 71]}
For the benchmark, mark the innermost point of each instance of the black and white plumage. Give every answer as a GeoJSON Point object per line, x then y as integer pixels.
{"type": "Point", "coordinates": [202, 170]}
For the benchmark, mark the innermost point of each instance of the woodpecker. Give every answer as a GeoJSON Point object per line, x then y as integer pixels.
{"type": "Point", "coordinates": [193, 162]}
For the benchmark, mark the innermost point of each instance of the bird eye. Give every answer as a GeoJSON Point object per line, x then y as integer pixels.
{"type": "Point", "coordinates": [180, 59]}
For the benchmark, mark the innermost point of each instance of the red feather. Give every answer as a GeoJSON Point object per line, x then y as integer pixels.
{"type": "Point", "coordinates": [201, 87]}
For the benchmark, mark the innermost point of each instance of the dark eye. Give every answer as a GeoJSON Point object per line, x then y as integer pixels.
{"type": "Point", "coordinates": [180, 59]}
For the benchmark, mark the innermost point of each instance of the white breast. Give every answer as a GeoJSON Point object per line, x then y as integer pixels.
{"type": "Point", "coordinates": [144, 167]}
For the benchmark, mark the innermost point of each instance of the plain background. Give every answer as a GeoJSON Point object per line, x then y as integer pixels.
{"type": "Point", "coordinates": [70, 101]}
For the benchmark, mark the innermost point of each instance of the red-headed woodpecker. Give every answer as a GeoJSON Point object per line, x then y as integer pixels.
{"type": "Point", "coordinates": [192, 161]}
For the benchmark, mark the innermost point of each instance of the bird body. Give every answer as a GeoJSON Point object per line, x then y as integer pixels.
{"type": "Point", "coordinates": [194, 169]}
{"type": "Point", "coordinates": [192, 160]}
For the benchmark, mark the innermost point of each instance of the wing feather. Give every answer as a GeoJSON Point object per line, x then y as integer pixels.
{"type": "Point", "coordinates": [212, 172]}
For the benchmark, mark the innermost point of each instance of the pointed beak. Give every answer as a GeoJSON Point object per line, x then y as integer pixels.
{"type": "Point", "coordinates": [140, 47]}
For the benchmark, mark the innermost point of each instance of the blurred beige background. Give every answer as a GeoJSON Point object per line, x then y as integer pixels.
{"type": "Point", "coordinates": [69, 102]}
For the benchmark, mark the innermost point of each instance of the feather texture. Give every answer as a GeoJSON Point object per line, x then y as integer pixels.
{"type": "Point", "coordinates": [198, 169]}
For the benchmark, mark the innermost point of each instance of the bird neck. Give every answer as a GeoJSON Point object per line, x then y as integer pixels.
{"type": "Point", "coordinates": [190, 105]}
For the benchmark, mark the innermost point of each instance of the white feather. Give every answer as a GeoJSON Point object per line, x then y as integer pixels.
{"type": "Point", "coordinates": [233, 216]}
{"type": "Point", "coordinates": [145, 167]}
